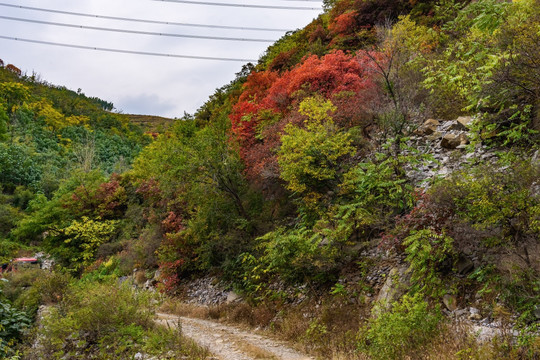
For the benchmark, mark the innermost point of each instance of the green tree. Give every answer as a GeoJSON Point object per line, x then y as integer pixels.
{"type": "Point", "coordinates": [18, 166]}
{"type": "Point", "coordinates": [85, 236]}
{"type": "Point", "coordinates": [4, 120]}
{"type": "Point", "coordinates": [310, 157]}
{"type": "Point", "coordinates": [13, 323]}
{"type": "Point", "coordinates": [371, 195]}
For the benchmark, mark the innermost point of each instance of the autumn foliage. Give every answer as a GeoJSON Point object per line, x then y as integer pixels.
{"type": "Point", "coordinates": [106, 200]}
{"type": "Point", "coordinates": [269, 101]}
{"type": "Point", "coordinates": [343, 24]}
{"type": "Point", "coordinates": [14, 69]}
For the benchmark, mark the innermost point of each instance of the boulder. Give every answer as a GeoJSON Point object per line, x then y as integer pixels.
{"type": "Point", "coordinates": [449, 141]}
{"type": "Point", "coordinates": [232, 297]}
{"type": "Point", "coordinates": [464, 139]}
{"type": "Point", "coordinates": [462, 123]}
{"type": "Point", "coordinates": [431, 122]}
{"type": "Point", "coordinates": [434, 136]}
{"type": "Point", "coordinates": [450, 301]}
{"type": "Point", "coordinates": [465, 122]}
{"type": "Point", "coordinates": [429, 127]}
{"type": "Point", "coordinates": [474, 314]}
{"type": "Point", "coordinates": [396, 284]}
{"type": "Point", "coordinates": [452, 141]}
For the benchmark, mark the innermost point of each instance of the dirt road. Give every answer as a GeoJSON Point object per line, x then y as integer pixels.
{"type": "Point", "coordinates": [230, 343]}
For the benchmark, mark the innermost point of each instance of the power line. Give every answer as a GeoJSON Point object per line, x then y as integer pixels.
{"type": "Point", "coordinates": [242, 5]}
{"type": "Point", "coordinates": [135, 31]}
{"type": "Point", "coordinates": [126, 51]}
{"type": "Point", "coordinates": [143, 20]}
{"type": "Point", "coordinates": [317, 1]}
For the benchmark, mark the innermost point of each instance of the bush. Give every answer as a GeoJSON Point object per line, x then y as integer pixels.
{"type": "Point", "coordinates": [105, 321]}
{"type": "Point", "coordinates": [19, 282]}
{"type": "Point", "coordinates": [428, 252]}
{"type": "Point", "coordinates": [9, 249]}
{"type": "Point", "coordinates": [403, 331]}
{"type": "Point", "coordinates": [373, 194]}
{"type": "Point", "coordinates": [27, 290]}
{"type": "Point", "coordinates": [491, 211]}
{"type": "Point", "coordinates": [13, 324]}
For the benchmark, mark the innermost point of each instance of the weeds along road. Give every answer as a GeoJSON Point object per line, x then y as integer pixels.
{"type": "Point", "coordinates": [230, 343]}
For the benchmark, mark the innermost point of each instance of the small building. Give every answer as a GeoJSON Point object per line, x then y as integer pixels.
{"type": "Point", "coordinates": [24, 263]}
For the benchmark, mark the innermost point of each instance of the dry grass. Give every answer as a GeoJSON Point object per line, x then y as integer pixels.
{"type": "Point", "coordinates": [334, 340]}
{"type": "Point", "coordinates": [457, 342]}
{"type": "Point", "coordinates": [329, 329]}
{"type": "Point", "coordinates": [255, 352]}
{"type": "Point", "coordinates": [172, 306]}
{"type": "Point", "coordinates": [150, 122]}
{"type": "Point", "coordinates": [140, 277]}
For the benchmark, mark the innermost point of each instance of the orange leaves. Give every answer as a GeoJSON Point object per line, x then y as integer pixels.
{"type": "Point", "coordinates": [256, 85]}
{"type": "Point", "coordinates": [173, 223]}
{"type": "Point", "coordinates": [244, 120]}
{"type": "Point", "coordinates": [343, 24]}
{"type": "Point", "coordinates": [270, 92]}
{"type": "Point", "coordinates": [328, 75]}
{"type": "Point", "coordinates": [14, 69]}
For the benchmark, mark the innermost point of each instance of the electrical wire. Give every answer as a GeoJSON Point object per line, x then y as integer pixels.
{"type": "Point", "coordinates": [126, 51]}
{"type": "Point", "coordinates": [136, 31]}
{"type": "Point", "coordinates": [144, 20]}
{"type": "Point", "coordinates": [241, 5]}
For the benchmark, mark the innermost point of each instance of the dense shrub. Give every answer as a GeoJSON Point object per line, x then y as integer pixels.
{"type": "Point", "coordinates": [401, 332]}
{"type": "Point", "coordinates": [13, 324]}
{"type": "Point", "coordinates": [491, 211]}
{"type": "Point", "coordinates": [105, 320]}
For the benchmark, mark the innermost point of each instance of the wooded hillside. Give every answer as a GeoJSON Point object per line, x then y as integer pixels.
{"type": "Point", "coordinates": [387, 138]}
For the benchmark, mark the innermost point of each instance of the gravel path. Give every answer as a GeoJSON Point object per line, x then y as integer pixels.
{"type": "Point", "coordinates": [230, 343]}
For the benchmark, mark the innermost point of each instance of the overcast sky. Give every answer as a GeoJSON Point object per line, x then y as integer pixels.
{"type": "Point", "coordinates": [141, 84]}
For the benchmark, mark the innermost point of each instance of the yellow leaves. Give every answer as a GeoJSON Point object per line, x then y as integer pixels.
{"type": "Point", "coordinates": [54, 118]}
{"type": "Point", "coordinates": [309, 157]}
{"type": "Point", "coordinates": [109, 263]}
{"type": "Point", "coordinates": [13, 95]}
{"type": "Point", "coordinates": [77, 120]}
{"type": "Point", "coordinates": [88, 235]}
{"type": "Point", "coordinates": [407, 34]}
{"type": "Point", "coordinates": [316, 109]}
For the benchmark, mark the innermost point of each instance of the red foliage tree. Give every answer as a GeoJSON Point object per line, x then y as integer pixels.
{"type": "Point", "coordinates": [107, 201]}
{"type": "Point", "coordinates": [268, 92]}
{"type": "Point", "coordinates": [284, 61]}
{"type": "Point", "coordinates": [343, 24]}
{"type": "Point", "coordinates": [244, 121]}
{"type": "Point", "coordinates": [257, 84]}
{"type": "Point", "coordinates": [14, 69]}
{"type": "Point", "coordinates": [149, 189]}
{"type": "Point", "coordinates": [318, 33]}
{"type": "Point", "coordinates": [177, 254]}
{"type": "Point", "coordinates": [172, 223]}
